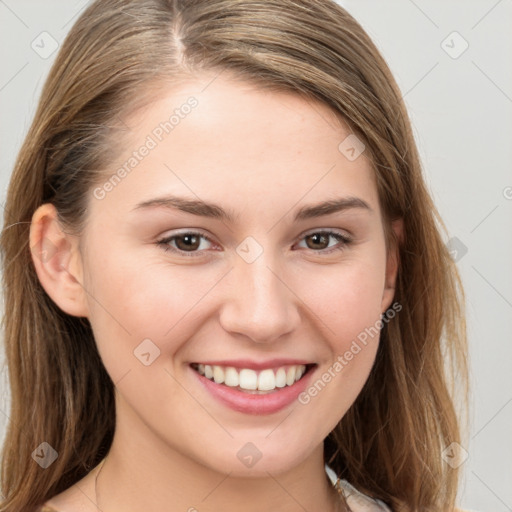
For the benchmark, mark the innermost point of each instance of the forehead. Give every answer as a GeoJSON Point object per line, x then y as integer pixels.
{"type": "Point", "coordinates": [213, 135]}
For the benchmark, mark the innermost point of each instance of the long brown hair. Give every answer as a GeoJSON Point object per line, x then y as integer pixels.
{"type": "Point", "coordinates": [116, 57]}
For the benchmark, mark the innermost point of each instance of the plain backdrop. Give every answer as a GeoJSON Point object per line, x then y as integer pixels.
{"type": "Point", "coordinates": [453, 63]}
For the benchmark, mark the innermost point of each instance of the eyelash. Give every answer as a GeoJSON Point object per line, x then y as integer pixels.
{"type": "Point", "coordinates": [164, 242]}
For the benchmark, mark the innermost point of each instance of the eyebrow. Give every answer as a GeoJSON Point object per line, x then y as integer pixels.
{"type": "Point", "coordinates": [205, 209]}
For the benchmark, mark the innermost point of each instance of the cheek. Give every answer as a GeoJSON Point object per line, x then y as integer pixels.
{"type": "Point", "coordinates": [349, 308]}
{"type": "Point", "coordinates": [132, 301]}
{"type": "Point", "coordinates": [347, 302]}
{"type": "Point", "coordinates": [346, 299]}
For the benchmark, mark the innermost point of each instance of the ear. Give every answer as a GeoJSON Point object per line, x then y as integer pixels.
{"type": "Point", "coordinates": [392, 263]}
{"type": "Point", "coordinates": [57, 261]}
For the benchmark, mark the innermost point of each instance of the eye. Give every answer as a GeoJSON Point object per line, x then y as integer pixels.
{"type": "Point", "coordinates": [186, 244]}
{"type": "Point", "coordinates": [319, 239]}
{"type": "Point", "coordinates": [189, 244]}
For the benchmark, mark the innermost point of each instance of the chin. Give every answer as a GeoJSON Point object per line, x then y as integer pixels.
{"type": "Point", "coordinates": [255, 460]}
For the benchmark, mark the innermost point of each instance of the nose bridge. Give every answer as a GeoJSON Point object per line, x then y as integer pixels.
{"type": "Point", "coordinates": [260, 306]}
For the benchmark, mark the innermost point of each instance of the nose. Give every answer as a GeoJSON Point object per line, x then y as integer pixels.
{"type": "Point", "coordinates": [261, 305]}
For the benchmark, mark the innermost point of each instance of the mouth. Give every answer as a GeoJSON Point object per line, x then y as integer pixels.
{"type": "Point", "coordinates": [252, 381]}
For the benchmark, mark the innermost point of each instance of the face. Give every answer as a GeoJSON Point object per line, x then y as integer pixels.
{"type": "Point", "coordinates": [189, 301]}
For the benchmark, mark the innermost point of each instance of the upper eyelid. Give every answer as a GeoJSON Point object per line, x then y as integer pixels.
{"type": "Point", "coordinates": [198, 231]}
{"type": "Point", "coordinates": [334, 231]}
{"type": "Point", "coordinates": [190, 231]}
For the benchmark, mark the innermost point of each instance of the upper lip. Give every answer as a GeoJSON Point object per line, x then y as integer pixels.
{"type": "Point", "coordinates": [255, 365]}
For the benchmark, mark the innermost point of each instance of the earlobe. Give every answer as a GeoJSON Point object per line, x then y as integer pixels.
{"type": "Point", "coordinates": [392, 264]}
{"type": "Point", "coordinates": [57, 261]}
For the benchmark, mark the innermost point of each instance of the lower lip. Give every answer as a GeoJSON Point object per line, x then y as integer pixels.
{"type": "Point", "coordinates": [248, 403]}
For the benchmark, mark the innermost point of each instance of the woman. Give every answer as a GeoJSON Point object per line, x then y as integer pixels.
{"type": "Point", "coordinates": [225, 284]}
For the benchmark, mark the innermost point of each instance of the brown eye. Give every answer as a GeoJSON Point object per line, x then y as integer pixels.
{"type": "Point", "coordinates": [188, 242]}
{"type": "Point", "coordinates": [185, 244]}
{"type": "Point", "coordinates": [319, 241]}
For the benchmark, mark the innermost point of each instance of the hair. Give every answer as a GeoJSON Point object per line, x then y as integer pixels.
{"type": "Point", "coordinates": [120, 54]}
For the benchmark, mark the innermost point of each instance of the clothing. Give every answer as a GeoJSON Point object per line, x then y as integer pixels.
{"type": "Point", "coordinates": [356, 500]}
{"type": "Point", "coordinates": [360, 502]}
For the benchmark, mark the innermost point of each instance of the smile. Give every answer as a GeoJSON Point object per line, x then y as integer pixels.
{"type": "Point", "coordinates": [253, 381]}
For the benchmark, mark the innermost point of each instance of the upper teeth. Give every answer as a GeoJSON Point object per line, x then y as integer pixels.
{"type": "Point", "coordinates": [249, 379]}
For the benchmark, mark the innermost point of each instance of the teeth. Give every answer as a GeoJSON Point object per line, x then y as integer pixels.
{"type": "Point", "coordinates": [290, 375]}
{"type": "Point", "coordinates": [266, 380]}
{"type": "Point", "coordinates": [281, 378]}
{"type": "Point", "coordinates": [218, 374]}
{"type": "Point", "coordinates": [231, 377]}
{"type": "Point", "coordinates": [249, 379]}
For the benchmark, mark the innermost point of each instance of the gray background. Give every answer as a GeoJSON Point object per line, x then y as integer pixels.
{"type": "Point", "coordinates": [460, 105]}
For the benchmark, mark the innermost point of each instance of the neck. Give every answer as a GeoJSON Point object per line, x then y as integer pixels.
{"type": "Point", "coordinates": [144, 473]}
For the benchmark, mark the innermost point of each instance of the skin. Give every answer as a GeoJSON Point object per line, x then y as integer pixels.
{"type": "Point", "coordinates": [261, 155]}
